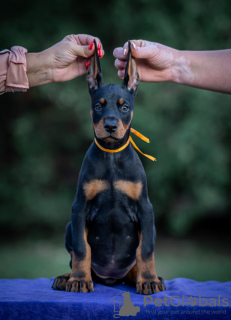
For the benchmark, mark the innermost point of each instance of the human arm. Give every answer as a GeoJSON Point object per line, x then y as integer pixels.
{"type": "Point", "coordinates": [64, 61]}
{"type": "Point", "coordinates": [156, 63]}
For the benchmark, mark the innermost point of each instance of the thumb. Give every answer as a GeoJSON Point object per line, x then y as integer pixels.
{"type": "Point", "coordinates": [83, 51]}
{"type": "Point", "coordinates": [146, 52]}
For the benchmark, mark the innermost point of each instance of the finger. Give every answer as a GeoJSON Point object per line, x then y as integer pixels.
{"type": "Point", "coordinates": [139, 43]}
{"type": "Point", "coordinates": [146, 52]}
{"type": "Point", "coordinates": [86, 39]}
{"type": "Point", "coordinates": [121, 73]}
{"type": "Point", "coordinates": [119, 64]}
{"type": "Point", "coordinates": [139, 48]}
{"type": "Point", "coordinates": [119, 53]}
{"type": "Point", "coordinates": [82, 51]}
{"type": "Point", "coordinates": [125, 47]}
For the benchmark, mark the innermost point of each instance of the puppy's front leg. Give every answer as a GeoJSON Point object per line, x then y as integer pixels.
{"type": "Point", "coordinates": [147, 280]}
{"type": "Point", "coordinates": [80, 278]}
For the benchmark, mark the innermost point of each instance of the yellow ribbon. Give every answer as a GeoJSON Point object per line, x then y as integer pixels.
{"type": "Point", "coordinates": [126, 144]}
{"type": "Point", "coordinates": [139, 135]}
{"type": "Point", "coordinates": [135, 146]}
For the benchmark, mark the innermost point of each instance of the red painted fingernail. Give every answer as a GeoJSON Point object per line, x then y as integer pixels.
{"type": "Point", "coordinates": [88, 64]}
{"type": "Point", "coordinates": [99, 46]}
{"type": "Point", "coordinates": [91, 45]}
{"type": "Point", "coordinates": [100, 53]}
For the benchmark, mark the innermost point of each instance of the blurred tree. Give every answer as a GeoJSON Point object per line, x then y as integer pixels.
{"type": "Point", "coordinates": [45, 132]}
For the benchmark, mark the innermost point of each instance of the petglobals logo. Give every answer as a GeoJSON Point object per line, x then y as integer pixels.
{"type": "Point", "coordinates": [123, 306]}
{"type": "Point", "coordinates": [176, 301]}
{"type": "Point", "coordinates": [213, 306]}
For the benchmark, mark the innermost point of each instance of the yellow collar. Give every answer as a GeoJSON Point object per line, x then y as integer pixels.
{"type": "Point", "coordinates": [127, 143]}
{"type": "Point", "coordinates": [114, 150]}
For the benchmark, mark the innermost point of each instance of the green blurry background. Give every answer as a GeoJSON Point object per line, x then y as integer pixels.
{"type": "Point", "coordinates": [45, 133]}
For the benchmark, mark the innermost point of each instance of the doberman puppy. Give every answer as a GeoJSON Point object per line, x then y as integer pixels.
{"type": "Point", "coordinates": [111, 234]}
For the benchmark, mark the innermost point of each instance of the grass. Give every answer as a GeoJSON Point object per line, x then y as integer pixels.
{"type": "Point", "coordinates": [36, 259]}
{"type": "Point", "coordinates": [174, 258]}
{"type": "Point", "coordinates": [193, 260]}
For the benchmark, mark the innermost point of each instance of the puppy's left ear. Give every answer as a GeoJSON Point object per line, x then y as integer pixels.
{"type": "Point", "coordinates": [94, 75]}
{"type": "Point", "coordinates": [131, 77]}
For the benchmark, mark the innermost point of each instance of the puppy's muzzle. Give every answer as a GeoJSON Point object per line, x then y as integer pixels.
{"type": "Point", "coordinates": [110, 125]}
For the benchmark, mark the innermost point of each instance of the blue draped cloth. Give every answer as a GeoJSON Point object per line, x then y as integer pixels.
{"type": "Point", "coordinates": [184, 299]}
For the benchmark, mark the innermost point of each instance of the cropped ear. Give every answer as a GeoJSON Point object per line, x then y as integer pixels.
{"type": "Point", "coordinates": [131, 77]}
{"type": "Point", "coordinates": [94, 76]}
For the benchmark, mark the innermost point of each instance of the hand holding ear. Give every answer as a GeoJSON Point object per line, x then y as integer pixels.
{"type": "Point", "coordinates": [208, 70]}
{"type": "Point", "coordinates": [64, 61]}
{"type": "Point", "coordinates": [154, 61]}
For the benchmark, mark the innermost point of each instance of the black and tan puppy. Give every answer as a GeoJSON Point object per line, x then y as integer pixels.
{"type": "Point", "coordinates": [111, 234]}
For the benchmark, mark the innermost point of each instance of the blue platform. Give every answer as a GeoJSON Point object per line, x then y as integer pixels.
{"type": "Point", "coordinates": [184, 299]}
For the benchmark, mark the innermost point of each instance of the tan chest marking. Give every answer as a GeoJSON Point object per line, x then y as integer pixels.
{"type": "Point", "coordinates": [92, 188]}
{"type": "Point", "coordinates": [131, 189]}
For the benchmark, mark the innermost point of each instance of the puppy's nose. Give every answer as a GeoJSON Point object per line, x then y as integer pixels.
{"type": "Point", "coordinates": [110, 125]}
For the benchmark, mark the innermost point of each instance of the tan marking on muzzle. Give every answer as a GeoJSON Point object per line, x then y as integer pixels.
{"type": "Point", "coordinates": [92, 188]}
{"type": "Point", "coordinates": [131, 189]}
{"type": "Point", "coordinates": [101, 133]}
{"type": "Point", "coordinates": [122, 128]}
{"type": "Point", "coordinates": [99, 130]}
{"type": "Point", "coordinates": [120, 132]}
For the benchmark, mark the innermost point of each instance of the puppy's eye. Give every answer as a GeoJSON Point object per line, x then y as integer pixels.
{"type": "Point", "coordinates": [124, 108]}
{"type": "Point", "coordinates": [98, 107]}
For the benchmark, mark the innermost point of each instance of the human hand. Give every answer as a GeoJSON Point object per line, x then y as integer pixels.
{"type": "Point", "coordinates": [64, 61]}
{"type": "Point", "coordinates": [155, 62]}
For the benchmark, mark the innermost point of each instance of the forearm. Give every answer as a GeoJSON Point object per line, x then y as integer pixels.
{"type": "Point", "coordinates": [209, 70]}
{"type": "Point", "coordinates": [39, 71]}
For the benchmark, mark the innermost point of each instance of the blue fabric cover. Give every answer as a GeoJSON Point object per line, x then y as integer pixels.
{"type": "Point", "coordinates": [184, 299]}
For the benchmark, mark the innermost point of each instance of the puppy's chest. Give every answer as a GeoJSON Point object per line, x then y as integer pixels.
{"type": "Point", "coordinates": [112, 200]}
{"type": "Point", "coordinates": [114, 189]}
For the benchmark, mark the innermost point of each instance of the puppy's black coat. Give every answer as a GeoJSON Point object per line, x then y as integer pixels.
{"type": "Point", "coordinates": [111, 234]}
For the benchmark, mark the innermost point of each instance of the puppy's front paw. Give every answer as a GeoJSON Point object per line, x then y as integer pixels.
{"type": "Point", "coordinates": [150, 287]}
{"type": "Point", "coordinates": [79, 285]}
{"type": "Point", "coordinates": [60, 282]}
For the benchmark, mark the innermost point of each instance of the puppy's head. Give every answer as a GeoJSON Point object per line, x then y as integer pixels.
{"type": "Point", "coordinates": [112, 105]}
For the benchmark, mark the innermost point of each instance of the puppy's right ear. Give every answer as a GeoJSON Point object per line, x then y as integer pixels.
{"type": "Point", "coordinates": [94, 75]}
{"type": "Point", "coordinates": [131, 77]}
